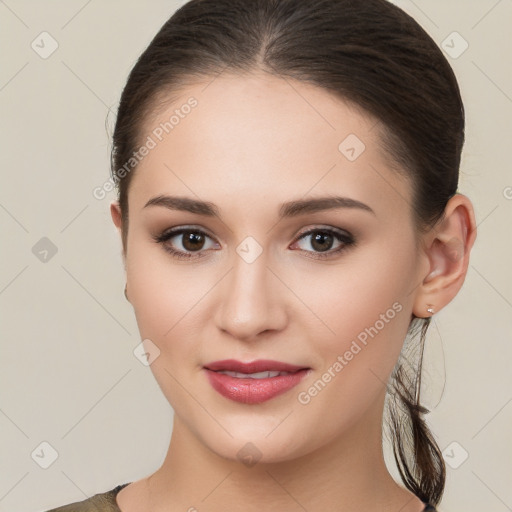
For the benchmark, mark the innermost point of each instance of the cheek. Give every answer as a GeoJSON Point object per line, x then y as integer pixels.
{"type": "Point", "coordinates": [166, 300]}
{"type": "Point", "coordinates": [366, 303]}
{"type": "Point", "coordinates": [369, 312]}
{"type": "Point", "coordinates": [157, 289]}
{"type": "Point", "coordinates": [371, 288]}
{"type": "Point", "coordinates": [373, 315]}
{"type": "Point", "coordinates": [171, 303]}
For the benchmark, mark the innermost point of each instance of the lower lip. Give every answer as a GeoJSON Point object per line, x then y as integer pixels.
{"type": "Point", "coordinates": [253, 391]}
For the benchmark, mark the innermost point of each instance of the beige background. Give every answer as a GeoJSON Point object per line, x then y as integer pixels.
{"type": "Point", "coordinates": [68, 374]}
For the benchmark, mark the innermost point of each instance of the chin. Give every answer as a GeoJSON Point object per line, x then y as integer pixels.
{"type": "Point", "coordinates": [263, 444]}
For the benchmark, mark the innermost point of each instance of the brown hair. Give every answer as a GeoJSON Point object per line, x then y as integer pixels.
{"type": "Point", "coordinates": [367, 52]}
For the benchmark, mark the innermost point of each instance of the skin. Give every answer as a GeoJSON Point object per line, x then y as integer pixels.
{"type": "Point", "coordinates": [253, 143]}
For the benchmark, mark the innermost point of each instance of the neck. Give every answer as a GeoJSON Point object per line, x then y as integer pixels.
{"type": "Point", "coordinates": [347, 474]}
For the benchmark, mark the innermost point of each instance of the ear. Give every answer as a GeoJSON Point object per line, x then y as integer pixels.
{"type": "Point", "coordinates": [447, 247]}
{"type": "Point", "coordinates": [115, 212]}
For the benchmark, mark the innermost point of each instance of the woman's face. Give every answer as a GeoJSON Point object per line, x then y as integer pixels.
{"type": "Point", "coordinates": [271, 275]}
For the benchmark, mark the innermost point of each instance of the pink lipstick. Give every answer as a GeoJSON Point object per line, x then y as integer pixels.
{"type": "Point", "coordinates": [254, 382]}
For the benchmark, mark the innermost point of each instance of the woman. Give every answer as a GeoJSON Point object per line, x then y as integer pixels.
{"type": "Point", "coordinates": [289, 216]}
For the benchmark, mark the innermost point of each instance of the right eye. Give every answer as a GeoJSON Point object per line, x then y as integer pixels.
{"type": "Point", "coordinates": [191, 240]}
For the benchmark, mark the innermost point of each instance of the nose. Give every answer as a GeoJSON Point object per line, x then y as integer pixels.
{"type": "Point", "coordinates": [251, 300]}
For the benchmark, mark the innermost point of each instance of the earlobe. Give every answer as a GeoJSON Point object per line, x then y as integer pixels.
{"type": "Point", "coordinates": [450, 243]}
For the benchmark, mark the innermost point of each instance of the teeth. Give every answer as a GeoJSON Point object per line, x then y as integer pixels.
{"type": "Point", "coordinates": [258, 375]}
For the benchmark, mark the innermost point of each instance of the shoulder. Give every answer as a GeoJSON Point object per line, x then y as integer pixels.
{"type": "Point", "coordinates": [102, 502]}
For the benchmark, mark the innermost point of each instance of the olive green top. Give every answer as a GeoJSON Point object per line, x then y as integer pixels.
{"type": "Point", "coordinates": [103, 502]}
{"type": "Point", "coordinates": [106, 502]}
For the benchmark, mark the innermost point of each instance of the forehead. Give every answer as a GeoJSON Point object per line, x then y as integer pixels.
{"type": "Point", "coordinates": [260, 136]}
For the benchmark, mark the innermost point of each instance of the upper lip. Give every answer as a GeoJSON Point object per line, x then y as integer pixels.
{"type": "Point", "coordinates": [260, 365]}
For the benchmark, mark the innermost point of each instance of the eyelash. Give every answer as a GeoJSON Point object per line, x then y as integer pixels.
{"type": "Point", "coordinates": [344, 237]}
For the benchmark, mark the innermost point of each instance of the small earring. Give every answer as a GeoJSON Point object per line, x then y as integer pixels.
{"type": "Point", "coordinates": [125, 293]}
{"type": "Point", "coordinates": [430, 310]}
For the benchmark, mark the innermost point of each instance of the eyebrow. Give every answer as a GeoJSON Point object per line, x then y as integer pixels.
{"type": "Point", "coordinates": [286, 210]}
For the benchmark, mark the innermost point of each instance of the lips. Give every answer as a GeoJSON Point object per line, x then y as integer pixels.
{"type": "Point", "coordinates": [261, 365]}
{"type": "Point", "coordinates": [254, 382]}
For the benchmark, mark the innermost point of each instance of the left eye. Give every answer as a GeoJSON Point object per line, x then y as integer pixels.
{"type": "Point", "coordinates": [322, 240]}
